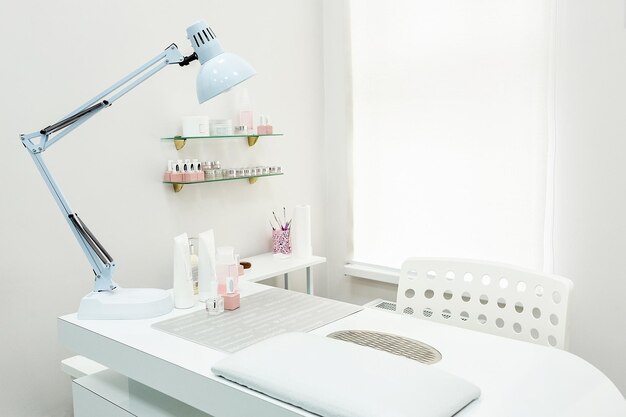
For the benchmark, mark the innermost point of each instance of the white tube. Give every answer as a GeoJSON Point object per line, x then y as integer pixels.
{"type": "Point", "coordinates": [183, 282]}
{"type": "Point", "coordinates": [206, 265]}
{"type": "Point", "coordinates": [301, 232]}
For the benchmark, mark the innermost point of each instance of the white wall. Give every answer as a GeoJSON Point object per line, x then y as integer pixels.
{"type": "Point", "coordinates": [590, 199]}
{"type": "Point", "coordinates": [57, 55]}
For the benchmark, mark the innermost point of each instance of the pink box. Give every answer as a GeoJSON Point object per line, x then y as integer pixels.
{"type": "Point", "coordinates": [167, 176]}
{"type": "Point", "coordinates": [199, 175]}
{"type": "Point", "coordinates": [231, 301]}
{"type": "Point", "coordinates": [188, 176]}
{"type": "Point", "coordinates": [176, 177]}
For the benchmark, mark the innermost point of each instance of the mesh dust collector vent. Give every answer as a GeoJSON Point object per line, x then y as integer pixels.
{"type": "Point", "coordinates": [393, 344]}
{"type": "Point", "coordinates": [386, 305]}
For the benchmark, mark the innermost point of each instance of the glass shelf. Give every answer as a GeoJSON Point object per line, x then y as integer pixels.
{"type": "Point", "coordinates": [251, 179]}
{"type": "Point", "coordinates": [179, 141]}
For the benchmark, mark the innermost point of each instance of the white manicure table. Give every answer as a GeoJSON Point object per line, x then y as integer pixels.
{"type": "Point", "coordinates": [155, 374]}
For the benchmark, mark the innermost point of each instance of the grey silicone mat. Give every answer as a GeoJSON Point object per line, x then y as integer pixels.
{"type": "Point", "coordinates": [261, 315]}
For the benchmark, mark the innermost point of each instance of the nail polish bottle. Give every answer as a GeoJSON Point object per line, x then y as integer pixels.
{"type": "Point", "coordinates": [215, 302]}
{"type": "Point", "coordinates": [187, 175]}
{"type": "Point", "coordinates": [268, 126]}
{"type": "Point", "coordinates": [199, 170]}
{"type": "Point", "coordinates": [231, 299]}
{"type": "Point", "coordinates": [224, 260]}
{"type": "Point", "coordinates": [233, 274]}
{"type": "Point", "coordinates": [177, 174]}
{"type": "Point", "coordinates": [167, 177]}
{"type": "Point", "coordinates": [264, 127]}
{"type": "Point", "coordinates": [260, 129]}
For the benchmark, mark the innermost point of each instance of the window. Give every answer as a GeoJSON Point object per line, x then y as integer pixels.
{"type": "Point", "coordinates": [451, 133]}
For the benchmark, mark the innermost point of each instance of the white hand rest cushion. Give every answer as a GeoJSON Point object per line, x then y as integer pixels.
{"type": "Point", "coordinates": [333, 378]}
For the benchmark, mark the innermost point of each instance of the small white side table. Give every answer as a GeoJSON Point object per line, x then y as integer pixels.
{"type": "Point", "coordinates": [268, 265]}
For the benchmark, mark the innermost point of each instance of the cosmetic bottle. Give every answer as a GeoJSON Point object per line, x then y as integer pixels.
{"type": "Point", "coordinates": [183, 281]}
{"type": "Point", "coordinates": [177, 174]}
{"type": "Point", "coordinates": [193, 258]}
{"type": "Point", "coordinates": [192, 172]}
{"type": "Point", "coordinates": [264, 127]}
{"type": "Point", "coordinates": [231, 298]}
{"type": "Point", "coordinates": [187, 176]}
{"type": "Point", "coordinates": [268, 126]}
{"type": "Point", "coordinates": [245, 112]}
{"type": "Point", "coordinates": [224, 261]}
{"type": "Point", "coordinates": [207, 276]}
{"type": "Point", "coordinates": [168, 174]}
{"type": "Point", "coordinates": [198, 170]}
{"type": "Point", "coordinates": [215, 302]}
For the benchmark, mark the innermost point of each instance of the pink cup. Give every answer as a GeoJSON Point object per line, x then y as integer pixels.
{"type": "Point", "coordinates": [281, 242]}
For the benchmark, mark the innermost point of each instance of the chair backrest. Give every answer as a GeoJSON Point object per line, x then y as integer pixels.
{"type": "Point", "coordinates": [488, 297]}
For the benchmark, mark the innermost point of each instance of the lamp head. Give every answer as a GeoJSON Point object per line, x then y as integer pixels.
{"type": "Point", "coordinates": [219, 70]}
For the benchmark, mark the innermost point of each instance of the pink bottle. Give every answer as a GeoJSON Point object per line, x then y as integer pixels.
{"type": "Point", "coordinates": [245, 112]}
{"type": "Point", "coordinates": [177, 174]}
{"type": "Point", "coordinates": [187, 174]}
{"type": "Point", "coordinates": [224, 261]}
{"type": "Point", "coordinates": [264, 127]}
{"type": "Point", "coordinates": [167, 177]}
{"type": "Point", "coordinates": [199, 171]}
{"type": "Point", "coordinates": [232, 299]}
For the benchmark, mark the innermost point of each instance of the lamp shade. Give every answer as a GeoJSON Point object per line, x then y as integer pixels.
{"type": "Point", "coordinates": [220, 70]}
{"type": "Point", "coordinates": [220, 73]}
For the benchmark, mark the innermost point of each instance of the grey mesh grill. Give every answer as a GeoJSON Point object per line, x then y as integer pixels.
{"type": "Point", "coordinates": [386, 305]}
{"type": "Point", "coordinates": [393, 344]}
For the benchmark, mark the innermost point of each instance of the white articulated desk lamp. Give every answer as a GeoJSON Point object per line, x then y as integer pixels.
{"type": "Point", "coordinates": [219, 72]}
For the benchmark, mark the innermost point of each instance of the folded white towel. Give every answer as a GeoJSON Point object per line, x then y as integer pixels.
{"type": "Point", "coordinates": [333, 378]}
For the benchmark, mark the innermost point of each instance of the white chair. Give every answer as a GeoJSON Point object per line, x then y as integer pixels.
{"type": "Point", "coordinates": [488, 297]}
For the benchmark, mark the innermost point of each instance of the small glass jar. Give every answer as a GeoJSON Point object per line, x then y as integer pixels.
{"type": "Point", "coordinates": [215, 305]}
{"type": "Point", "coordinates": [217, 165]}
{"type": "Point", "coordinates": [209, 174]}
{"type": "Point", "coordinates": [272, 170]}
{"type": "Point", "coordinates": [231, 173]}
{"type": "Point", "coordinates": [247, 172]}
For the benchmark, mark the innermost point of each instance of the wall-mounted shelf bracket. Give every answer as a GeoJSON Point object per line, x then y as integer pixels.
{"type": "Point", "coordinates": [252, 141]}
{"type": "Point", "coordinates": [179, 142]}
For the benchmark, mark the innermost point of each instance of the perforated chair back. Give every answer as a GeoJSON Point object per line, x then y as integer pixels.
{"type": "Point", "coordinates": [488, 297]}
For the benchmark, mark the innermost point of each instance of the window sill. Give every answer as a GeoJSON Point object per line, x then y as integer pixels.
{"type": "Point", "coordinates": [372, 272]}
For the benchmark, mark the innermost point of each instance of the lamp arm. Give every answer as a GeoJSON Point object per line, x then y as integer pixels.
{"type": "Point", "coordinates": [38, 142]}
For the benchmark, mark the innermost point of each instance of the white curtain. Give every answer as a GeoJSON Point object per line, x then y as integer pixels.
{"type": "Point", "coordinates": [451, 129]}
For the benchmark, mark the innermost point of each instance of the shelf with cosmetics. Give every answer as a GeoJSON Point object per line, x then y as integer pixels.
{"type": "Point", "coordinates": [180, 141]}
{"type": "Point", "coordinates": [192, 172]}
